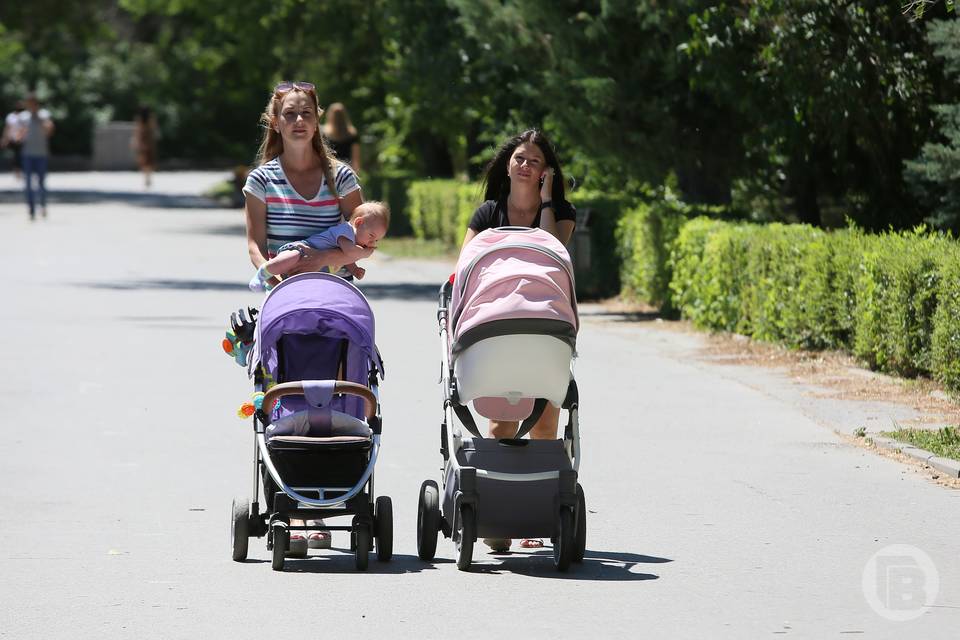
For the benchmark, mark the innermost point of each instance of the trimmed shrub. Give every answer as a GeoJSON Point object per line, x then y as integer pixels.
{"type": "Point", "coordinates": [602, 278]}
{"type": "Point", "coordinates": [441, 209]}
{"type": "Point", "coordinates": [392, 189]}
{"type": "Point", "coordinates": [688, 289]}
{"type": "Point", "coordinates": [644, 237]}
{"type": "Point", "coordinates": [945, 345]}
{"type": "Point", "coordinates": [771, 283]}
{"type": "Point", "coordinates": [896, 302]}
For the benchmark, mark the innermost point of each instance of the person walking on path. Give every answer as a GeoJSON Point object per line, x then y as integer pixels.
{"type": "Point", "coordinates": [144, 142]}
{"type": "Point", "coordinates": [342, 135]}
{"type": "Point", "coordinates": [524, 187]}
{"type": "Point", "coordinates": [11, 138]}
{"type": "Point", "coordinates": [299, 189]}
{"type": "Point", "coordinates": [36, 127]}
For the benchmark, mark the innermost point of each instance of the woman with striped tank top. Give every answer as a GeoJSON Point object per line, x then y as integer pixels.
{"type": "Point", "coordinates": [299, 188]}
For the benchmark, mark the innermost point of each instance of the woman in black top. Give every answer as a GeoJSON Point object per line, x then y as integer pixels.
{"type": "Point", "coordinates": [524, 188]}
{"type": "Point", "coordinates": [342, 135]}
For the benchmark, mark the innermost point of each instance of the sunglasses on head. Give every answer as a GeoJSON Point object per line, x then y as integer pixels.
{"type": "Point", "coordinates": [285, 86]}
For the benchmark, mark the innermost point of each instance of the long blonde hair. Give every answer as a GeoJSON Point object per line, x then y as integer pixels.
{"type": "Point", "coordinates": [271, 146]}
{"type": "Point", "coordinates": [338, 126]}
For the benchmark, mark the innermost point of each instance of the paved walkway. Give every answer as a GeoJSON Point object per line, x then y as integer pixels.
{"type": "Point", "coordinates": [718, 508]}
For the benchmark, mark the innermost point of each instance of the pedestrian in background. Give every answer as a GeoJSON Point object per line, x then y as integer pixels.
{"type": "Point", "coordinates": [36, 129]}
{"type": "Point", "coordinates": [342, 136]}
{"type": "Point", "coordinates": [11, 138]}
{"type": "Point", "coordinates": [144, 142]}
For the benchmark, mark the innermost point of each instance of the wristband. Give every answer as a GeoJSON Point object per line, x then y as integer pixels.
{"type": "Point", "coordinates": [545, 205]}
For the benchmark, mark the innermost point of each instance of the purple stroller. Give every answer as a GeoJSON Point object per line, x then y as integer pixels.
{"type": "Point", "coordinates": [318, 429]}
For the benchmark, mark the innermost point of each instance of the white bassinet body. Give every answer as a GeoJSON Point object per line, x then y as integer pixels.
{"type": "Point", "coordinates": [513, 322]}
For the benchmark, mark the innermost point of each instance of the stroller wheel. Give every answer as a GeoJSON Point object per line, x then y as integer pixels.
{"type": "Point", "coordinates": [383, 520]}
{"type": "Point", "coordinates": [428, 520]}
{"type": "Point", "coordinates": [240, 529]}
{"type": "Point", "coordinates": [281, 540]}
{"type": "Point", "coordinates": [580, 536]}
{"type": "Point", "coordinates": [563, 547]}
{"type": "Point", "coordinates": [362, 553]}
{"type": "Point", "coordinates": [467, 534]}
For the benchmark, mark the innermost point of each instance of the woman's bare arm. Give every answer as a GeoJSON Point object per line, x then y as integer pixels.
{"type": "Point", "coordinates": [350, 202]}
{"type": "Point", "coordinates": [565, 230]}
{"type": "Point", "coordinates": [467, 237]}
{"type": "Point", "coordinates": [256, 211]}
{"type": "Point", "coordinates": [355, 156]}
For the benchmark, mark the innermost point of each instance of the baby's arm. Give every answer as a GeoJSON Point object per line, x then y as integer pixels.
{"type": "Point", "coordinates": [355, 271]}
{"type": "Point", "coordinates": [352, 251]}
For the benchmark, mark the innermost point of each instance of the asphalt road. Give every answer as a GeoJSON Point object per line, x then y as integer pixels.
{"type": "Point", "coordinates": [717, 509]}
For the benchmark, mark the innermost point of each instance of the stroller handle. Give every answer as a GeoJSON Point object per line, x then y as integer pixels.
{"type": "Point", "coordinates": [350, 388]}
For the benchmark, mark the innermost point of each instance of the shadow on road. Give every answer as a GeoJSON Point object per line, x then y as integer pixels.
{"type": "Point", "coordinates": [400, 291]}
{"type": "Point", "coordinates": [343, 562]}
{"type": "Point", "coordinates": [175, 285]}
{"type": "Point", "coordinates": [156, 200]}
{"type": "Point", "coordinates": [603, 566]}
{"type": "Point", "coordinates": [622, 316]}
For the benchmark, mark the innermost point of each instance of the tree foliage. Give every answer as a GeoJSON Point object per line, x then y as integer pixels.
{"type": "Point", "coordinates": [803, 110]}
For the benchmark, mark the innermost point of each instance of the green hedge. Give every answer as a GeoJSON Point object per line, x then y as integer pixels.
{"type": "Point", "coordinates": [644, 236]}
{"type": "Point", "coordinates": [441, 209]}
{"type": "Point", "coordinates": [600, 276]}
{"type": "Point", "coordinates": [391, 188]}
{"type": "Point", "coordinates": [946, 324]}
{"type": "Point", "coordinates": [891, 299]}
{"type": "Point", "coordinates": [898, 293]}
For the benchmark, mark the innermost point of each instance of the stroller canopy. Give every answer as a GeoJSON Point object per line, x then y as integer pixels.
{"type": "Point", "coordinates": [316, 326]}
{"type": "Point", "coordinates": [512, 280]}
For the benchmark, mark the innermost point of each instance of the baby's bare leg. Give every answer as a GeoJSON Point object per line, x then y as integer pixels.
{"type": "Point", "coordinates": [282, 262]}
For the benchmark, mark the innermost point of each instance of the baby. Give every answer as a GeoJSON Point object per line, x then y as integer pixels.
{"type": "Point", "coordinates": [356, 239]}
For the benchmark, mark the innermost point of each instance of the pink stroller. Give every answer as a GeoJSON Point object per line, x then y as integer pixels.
{"type": "Point", "coordinates": [508, 327]}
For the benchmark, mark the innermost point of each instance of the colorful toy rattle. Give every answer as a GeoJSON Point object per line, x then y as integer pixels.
{"type": "Point", "coordinates": [247, 409]}
{"type": "Point", "coordinates": [239, 337]}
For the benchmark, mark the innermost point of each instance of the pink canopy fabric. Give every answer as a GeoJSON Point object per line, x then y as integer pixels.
{"type": "Point", "coordinates": [512, 273]}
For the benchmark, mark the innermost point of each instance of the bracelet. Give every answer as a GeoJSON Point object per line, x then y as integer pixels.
{"type": "Point", "coordinates": [545, 205]}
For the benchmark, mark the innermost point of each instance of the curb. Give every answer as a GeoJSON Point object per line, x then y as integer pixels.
{"type": "Point", "coordinates": [944, 465]}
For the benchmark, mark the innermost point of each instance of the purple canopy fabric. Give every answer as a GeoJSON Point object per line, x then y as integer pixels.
{"type": "Point", "coordinates": [308, 326]}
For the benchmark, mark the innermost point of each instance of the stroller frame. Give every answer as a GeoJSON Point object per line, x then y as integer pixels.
{"type": "Point", "coordinates": [372, 519]}
{"type": "Point", "coordinates": [457, 517]}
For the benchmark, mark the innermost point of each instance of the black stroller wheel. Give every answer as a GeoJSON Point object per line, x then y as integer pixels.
{"type": "Point", "coordinates": [467, 534]}
{"type": "Point", "coordinates": [563, 547]}
{"type": "Point", "coordinates": [281, 540]}
{"type": "Point", "coordinates": [580, 536]}
{"type": "Point", "coordinates": [384, 522]}
{"type": "Point", "coordinates": [240, 528]}
{"type": "Point", "coordinates": [428, 520]}
{"type": "Point", "coordinates": [362, 552]}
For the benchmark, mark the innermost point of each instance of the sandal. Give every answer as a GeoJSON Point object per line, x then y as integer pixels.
{"type": "Point", "coordinates": [318, 538]}
{"type": "Point", "coordinates": [297, 547]}
{"type": "Point", "coordinates": [531, 543]}
{"type": "Point", "coordinates": [498, 545]}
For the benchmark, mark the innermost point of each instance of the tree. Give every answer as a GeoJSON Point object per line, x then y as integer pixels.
{"type": "Point", "coordinates": [935, 174]}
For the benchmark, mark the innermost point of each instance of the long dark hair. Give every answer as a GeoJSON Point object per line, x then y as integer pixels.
{"type": "Point", "coordinates": [496, 184]}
